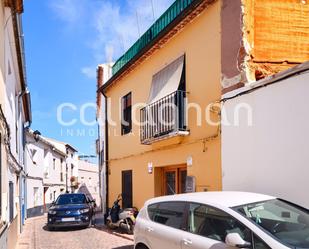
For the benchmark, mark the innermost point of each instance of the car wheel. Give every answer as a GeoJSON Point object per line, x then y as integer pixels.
{"type": "Point", "coordinates": [141, 246]}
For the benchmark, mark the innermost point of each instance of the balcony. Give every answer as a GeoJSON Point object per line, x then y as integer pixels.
{"type": "Point", "coordinates": [164, 118]}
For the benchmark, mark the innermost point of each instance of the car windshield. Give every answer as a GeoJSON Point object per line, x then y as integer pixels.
{"type": "Point", "coordinates": [286, 222]}
{"type": "Point", "coordinates": [71, 199]}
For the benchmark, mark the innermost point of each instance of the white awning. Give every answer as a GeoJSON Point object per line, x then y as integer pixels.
{"type": "Point", "coordinates": [166, 81]}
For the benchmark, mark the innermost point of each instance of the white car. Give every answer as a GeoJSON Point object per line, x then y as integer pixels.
{"type": "Point", "coordinates": [216, 220]}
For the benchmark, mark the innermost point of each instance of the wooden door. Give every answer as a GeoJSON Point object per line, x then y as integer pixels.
{"type": "Point", "coordinates": [127, 189]}
{"type": "Point", "coordinates": [174, 180]}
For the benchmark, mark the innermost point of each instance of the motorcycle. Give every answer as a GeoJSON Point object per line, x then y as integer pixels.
{"type": "Point", "coordinates": [124, 219]}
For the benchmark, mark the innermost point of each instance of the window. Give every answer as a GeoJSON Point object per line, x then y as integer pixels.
{"type": "Point", "coordinates": [259, 244]}
{"type": "Point", "coordinates": [16, 137]}
{"type": "Point", "coordinates": [168, 213]}
{"type": "Point", "coordinates": [36, 196]}
{"type": "Point", "coordinates": [11, 201]}
{"type": "Point", "coordinates": [285, 221]}
{"type": "Point", "coordinates": [152, 210]}
{"type": "Point", "coordinates": [214, 224]}
{"type": "Point", "coordinates": [61, 170]}
{"type": "Point", "coordinates": [71, 199]}
{"type": "Point", "coordinates": [126, 119]}
{"type": "Point", "coordinates": [54, 163]}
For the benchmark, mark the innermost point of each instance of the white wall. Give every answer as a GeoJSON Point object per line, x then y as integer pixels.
{"type": "Point", "coordinates": [40, 164]}
{"type": "Point", "coordinates": [34, 200]}
{"type": "Point", "coordinates": [272, 156]}
{"type": "Point", "coordinates": [89, 175]}
{"type": "Point", "coordinates": [13, 111]}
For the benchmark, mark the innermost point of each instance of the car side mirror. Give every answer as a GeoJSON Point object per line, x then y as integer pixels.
{"type": "Point", "coordinates": [234, 240]}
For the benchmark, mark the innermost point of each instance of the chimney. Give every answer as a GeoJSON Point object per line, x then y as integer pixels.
{"type": "Point", "coordinates": [100, 78]}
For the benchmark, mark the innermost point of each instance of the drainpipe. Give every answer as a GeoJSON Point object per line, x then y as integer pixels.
{"type": "Point", "coordinates": [106, 155]}
{"type": "Point", "coordinates": [22, 161]}
{"type": "Point", "coordinates": [104, 169]}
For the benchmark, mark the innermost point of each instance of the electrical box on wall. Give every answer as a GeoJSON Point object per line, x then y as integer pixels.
{"type": "Point", "coordinates": [190, 184]}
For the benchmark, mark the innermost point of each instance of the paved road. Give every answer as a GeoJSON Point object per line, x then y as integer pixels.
{"type": "Point", "coordinates": [36, 236]}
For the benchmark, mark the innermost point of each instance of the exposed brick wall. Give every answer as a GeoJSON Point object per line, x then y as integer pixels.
{"type": "Point", "coordinates": [274, 37]}
{"type": "Point", "coordinates": [277, 34]}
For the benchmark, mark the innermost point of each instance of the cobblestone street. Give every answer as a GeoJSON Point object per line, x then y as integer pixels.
{"type": "Point", "coordinates": [36, 236]}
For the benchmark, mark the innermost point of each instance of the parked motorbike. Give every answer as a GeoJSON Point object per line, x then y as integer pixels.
{"type": "Point", "coordinates": [124, 219]}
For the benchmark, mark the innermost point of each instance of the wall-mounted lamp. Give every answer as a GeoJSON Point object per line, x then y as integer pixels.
{"type": "Point", "coordinates": [150, 168]}
{"type": "Point", "coordinates": [189, 161]}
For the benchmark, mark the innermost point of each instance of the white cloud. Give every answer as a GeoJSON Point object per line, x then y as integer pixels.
{"type": "Point", "coordinates": [90, 72]}
{"type": "Point", "coordinates": [67, 10]}
{"type": "Point", "coordinates": [117, 29]}
{"type": "Point", "coordinates": [116, 24]}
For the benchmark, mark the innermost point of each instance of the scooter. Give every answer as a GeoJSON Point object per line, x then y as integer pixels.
{"type": "Point", "coordinates": [124, 219]}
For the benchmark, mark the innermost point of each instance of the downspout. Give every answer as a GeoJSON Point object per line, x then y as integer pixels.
{"type": "Point", "coordinates": [21, 65]}
{"type": "Point", "coordinates": [106, 155]}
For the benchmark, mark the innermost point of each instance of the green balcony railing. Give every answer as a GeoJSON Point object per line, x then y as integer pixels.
{"type": "Point", "coordinates": [166, 18]}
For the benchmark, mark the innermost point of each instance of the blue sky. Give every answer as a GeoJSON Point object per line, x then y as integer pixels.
{"type": "Point", "coordinates": [64, 42]}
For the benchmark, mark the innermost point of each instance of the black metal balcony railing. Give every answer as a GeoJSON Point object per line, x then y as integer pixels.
{"type": "Point", "coordinates": [164, 117]}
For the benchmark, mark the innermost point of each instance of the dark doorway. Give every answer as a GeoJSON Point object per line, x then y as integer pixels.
{"type": "Point", "coordinates": [44, 199]}
{"type": "Point", "coordinates": [11, 200]}
{"type": "Point", "coordinates": [127, 189]}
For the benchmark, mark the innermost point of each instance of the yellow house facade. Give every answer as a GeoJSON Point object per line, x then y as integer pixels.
{"type": "Point", "coordinates": [161, 167]}
{"type": "Point", "coordinates": [162, 110]}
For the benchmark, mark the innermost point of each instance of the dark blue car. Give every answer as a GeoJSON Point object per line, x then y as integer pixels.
{"type": "Point", "coordinates": [70, 210]}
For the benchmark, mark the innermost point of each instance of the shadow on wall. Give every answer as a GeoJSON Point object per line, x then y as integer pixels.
{"type": "Point", "coordinates": [83, 189]}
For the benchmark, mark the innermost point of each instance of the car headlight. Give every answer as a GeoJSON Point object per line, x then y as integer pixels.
{"type": "Point", "coordinates": [52, 212]}
{"type": "Point", "coordinates": [85, 210]}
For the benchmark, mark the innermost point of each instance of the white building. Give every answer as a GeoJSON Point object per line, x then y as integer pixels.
{"type": "Point", "coordinates": [268, 152]}
{"type": "Point", "coordinates": [70, 164]}
{"type": "Point", "coordinates": [15, 115]}
{"type": "Point", "coordinates": [45, 173]}
{"type": "Point", "coordinates": [88, 177]}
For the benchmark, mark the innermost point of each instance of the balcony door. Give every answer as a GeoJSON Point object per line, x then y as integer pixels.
{"type": "Point", "coordinates": [174, 180]}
